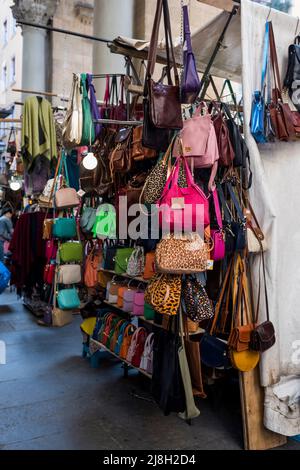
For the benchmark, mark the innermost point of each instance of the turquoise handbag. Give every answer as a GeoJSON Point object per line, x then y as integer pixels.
{"type": "Point", "coordinates": [71, 252]}
{"type": "Point", "coordinates": [121, 259]}
{"type": "Point", "coordinates": [64, 227]}
{"type": "Point", "coordinates": [68, 299]}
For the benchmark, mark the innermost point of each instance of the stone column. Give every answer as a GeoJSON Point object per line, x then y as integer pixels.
{"type": "Point", "coordinates": [112, 18]}
{"type": "Point", "coordinates": [34, 71]}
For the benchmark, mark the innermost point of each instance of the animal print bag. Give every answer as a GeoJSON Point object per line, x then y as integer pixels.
{"type": "Point", "coordinates": [163, 293]}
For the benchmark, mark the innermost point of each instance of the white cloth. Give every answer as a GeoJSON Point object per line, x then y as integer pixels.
{"type": "Point", "coordinates": [274, 195]}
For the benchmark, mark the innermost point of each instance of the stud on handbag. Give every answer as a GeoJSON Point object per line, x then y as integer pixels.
{"type": "Point", "coordinates": [198, 307]}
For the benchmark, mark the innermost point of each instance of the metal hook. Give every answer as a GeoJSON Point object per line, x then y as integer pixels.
{"type": "Point", "coordinates": [270, 9]}
{"type": "Point", "coordinates": [297, 26]}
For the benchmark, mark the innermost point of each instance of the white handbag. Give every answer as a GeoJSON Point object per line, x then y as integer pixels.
{"type": "Point", "coordinates": [147, 357]}
{"type": "Point", "coordinates": [69, 274]}
{"type": "Point", "coordinates": [255, 242]}
{"type": "Point", "coordinates": [72, 126]}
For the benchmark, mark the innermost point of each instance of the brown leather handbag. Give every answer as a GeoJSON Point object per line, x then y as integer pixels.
{"type": "Point", "coordinates": [161, 101]}
{"type": "Point", "coordinates": [120, 157]}
{"type": "Point", "coordinates": [139, 152]}
{"type": "Point", "coordinates": [280, 112]}
{"type": "Point", "coordinates": [226, 152]}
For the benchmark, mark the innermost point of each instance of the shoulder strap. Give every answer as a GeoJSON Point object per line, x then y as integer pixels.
{"type": "Point", "coordinates": [235, 202]}
{"type": "Point", "coordinates": [265, 57]}
{"type": "Point", "coordinates": [227, 215]}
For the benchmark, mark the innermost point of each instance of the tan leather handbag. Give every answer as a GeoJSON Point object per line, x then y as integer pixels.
{"type": "Point", "coordinates": [66, 198]}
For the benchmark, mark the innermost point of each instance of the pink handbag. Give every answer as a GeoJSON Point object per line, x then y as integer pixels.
{"type": "Point", "coordinates": [128, 298]}
{"type": "Point", "coordinates": [199, 141]}
{"type": "Point", "coordinates": [66, 198]}
{"type": "Point", "coordinates": [51, 250]}
{"type": "Point", "coordinates": [138, 304]}
{"type": "Point", "coordinates": [178, 205]}
{"type": "Point", "coordinates": [218, 251]}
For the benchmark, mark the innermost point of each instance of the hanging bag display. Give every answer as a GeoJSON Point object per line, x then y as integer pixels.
{"type": "Point", "coordinates": [197, 305]}
{"type": "Point", "coordinates": [190, 83]}
{"type": "Point", "coordinates": [258, 112]}
{"type": "Point", "coordinates": [183, 204]}
{"type": "Point", "coordinates": [68, 299]}
{"type": "Point", "coordinates": [64, 228]}
{"type": "Point", "coordinates": [66, 197]}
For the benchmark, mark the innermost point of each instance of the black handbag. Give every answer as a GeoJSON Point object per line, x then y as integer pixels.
{"type": "Point", "coordinates": [109, 255]}
{"type": "Point", "coordinates": [292, 78]}
{"type": "Point", "coordinates": [238, 227]}
{"type": "Point", "coordinates": [167, 385]}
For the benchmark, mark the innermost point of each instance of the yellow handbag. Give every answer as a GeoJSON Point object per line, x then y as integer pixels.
{"type": "Point", "coordinates": [103, 278]}
{"type": "Point", "coordinates": [244, 360]}
{"type": "Point", "coordinates": [163, 293]}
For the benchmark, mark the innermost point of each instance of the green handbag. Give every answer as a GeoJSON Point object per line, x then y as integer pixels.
{"type": "Point", "coordinates": [88, 129]}
{"type": "Point", "coordinates": [148, 312]}
{"type": "Point", "coordinates": [105, 225]}
{"type": "Point", "coordinates": [121, 259]}
{"type": "Point", "coordinates": [64, 227]}
{"type": "Point", "coordinates": [71, 252]}
{"type": "Point", "coordinates": [68, 299]}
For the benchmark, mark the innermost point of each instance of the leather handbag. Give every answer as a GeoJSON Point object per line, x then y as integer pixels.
{"type": "Point", "coordinates": [138, 303]}
{"type": "Point", "coordinates": [51, 250]}
{"type": "Point", "coordinates": [64, 227]}
{"type": "Point", "coordinates": [128, 299]}
{"type": "Point", "coordinates": [68, 299]}
{"type": "Point", "coordinates": [69, 274]}
{"type": "Point", "coordinates": [66, 198]}
{"type": "Point", "coordinates": [120, 299]}
{"type": "Point", "coordinates": [149, 312]}
{"type": "Point", "coordinates": [91, 269]}
{"type": "Point", "coordinates": [280, 113]}
{"type": "Point", "coordinates": [199, 142]}
{"type": "Point", "coordinates": [88, 129]}
{"type": "Point", "coordinates": [114, 334]}
{"type": "Point", "coordinates": [258, 111]}
{"type": "Point", "coordinates": [136, 347]}
{"type": "Point", "coordinates": [292, 78]}
{"type": "Point", "coordinates": [87, 219]}
{"type": "Point", "coordinates": [121, 259]}
{"type": "Point", "coordinates": [147, 356]}
{"type": "Point", "coordinates": [163, 293]}
{"type": "Point", "coordinates": [197, 305]}
{"type": "Point", "coordinates": [179, 205]}
{"type": "Point", "coordinates": [113, 292]}
{"type": "Point", "coordinates": [139, 152]}
{"type": "Point", "coordinates": [119, 341]}
{"type": "Point", "coordinates": [186, 254]}
{"type": "Point", "coordinates": [72, 126]}
{"type": "Point", "coordinates": [263, 335]}
{"type": "Point", "coordinates": [71, 252]}
{"type": "Point", "coordinates": [127, 337]}
{"type": "Point", "coordinates": [49, 273]}
{"type": "Point", "coordinates": [256, 241]}
{"type": "Point", "coordinates": [136, 262]}
{"type": "Point", "coordinates": [164, 100]}
{"type": "Point", "coordinates": [120, 157]}
{"type": "Point", "coordinates": [217, 235]}
{"type": "Point", "coordinates": [190, 82]}
{"type": "Point", "coordinates": [226, 152]}
{"type": "Point", "coordinates": [61, 317]}
{"type": "Point", "coordinates": [244, 361]}
{"type": "Point", "coordinates": [47, 229]}
{"type": "Point", "coordinates": [149, 269]}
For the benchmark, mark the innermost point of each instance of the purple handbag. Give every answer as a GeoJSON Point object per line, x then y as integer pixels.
{"type": "Point", "coordinates": [190, 82]}
{"type": "Point", "coordinates": [93, 100]}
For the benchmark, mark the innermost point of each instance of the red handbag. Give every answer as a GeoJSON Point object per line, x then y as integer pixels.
{"type": "Point", "coordinates": [49, 273]}
{"type": "Point", "coordinates": [180, 206]}
{"type": "Point", "coordinates": [139, 347]}
{"type": "Point", "coordinates": [51, 250]}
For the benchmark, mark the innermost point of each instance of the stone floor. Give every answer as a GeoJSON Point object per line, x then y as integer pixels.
{"type": "Point", "coordinates": [51, 398]}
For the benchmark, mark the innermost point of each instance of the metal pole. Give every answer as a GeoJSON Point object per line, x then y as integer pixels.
{"type": "Point", "coordinates": [64, 31]}
{"type": "Point", "coordinates": [205, 77]}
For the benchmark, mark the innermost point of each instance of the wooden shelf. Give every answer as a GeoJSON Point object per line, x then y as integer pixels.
{"type": "Point", "coordinates": [149, 376]}
{"type": "Point", "coordinates": [138, 278]}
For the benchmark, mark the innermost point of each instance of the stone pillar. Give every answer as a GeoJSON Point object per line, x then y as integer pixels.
{"type": "Point", "coordinates": [112, 18]}
{"type": "Point", "coordinates": [34, 71]}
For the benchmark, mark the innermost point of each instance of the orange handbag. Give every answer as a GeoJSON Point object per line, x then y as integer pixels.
{"type": "Point", "coordinates": [149, 270]}
{"type": "Point", "coordinates": [121, 291]}
{"type": "Point", "coordinates": [127, 337]}
{"type": "Point", "coordinates": [91, 270]}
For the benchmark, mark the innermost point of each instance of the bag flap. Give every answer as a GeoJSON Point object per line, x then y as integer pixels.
{"type": "Point", "coordinates": [265, 331]}
{"type": "Point", "coordinates": [122, 135]}
{"type": "Point", "coordinates": [244, 333]}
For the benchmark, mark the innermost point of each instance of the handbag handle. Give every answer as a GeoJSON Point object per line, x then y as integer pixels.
{"type": "Point", "coordinates": [236, 203]}
{"type": "Point", "coordinates": [186, 29]}
{"type": "Point", "coordinates": [220, 299]}
{"type": "Point", "coordinates": [275, 67]}
{"type": "Point", "coordinates": [265, 56]}
{"type": "Point", "coordinates": [217, 209]}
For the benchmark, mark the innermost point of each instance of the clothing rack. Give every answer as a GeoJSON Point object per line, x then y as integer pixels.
{"type": "Point", "coordinates": [104, 75]}
{"type": "Point", "coordinates": [116, 121]}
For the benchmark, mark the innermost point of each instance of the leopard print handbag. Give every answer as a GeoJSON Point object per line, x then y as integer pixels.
{"type": "Point", "coordinates": [163, 293]}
